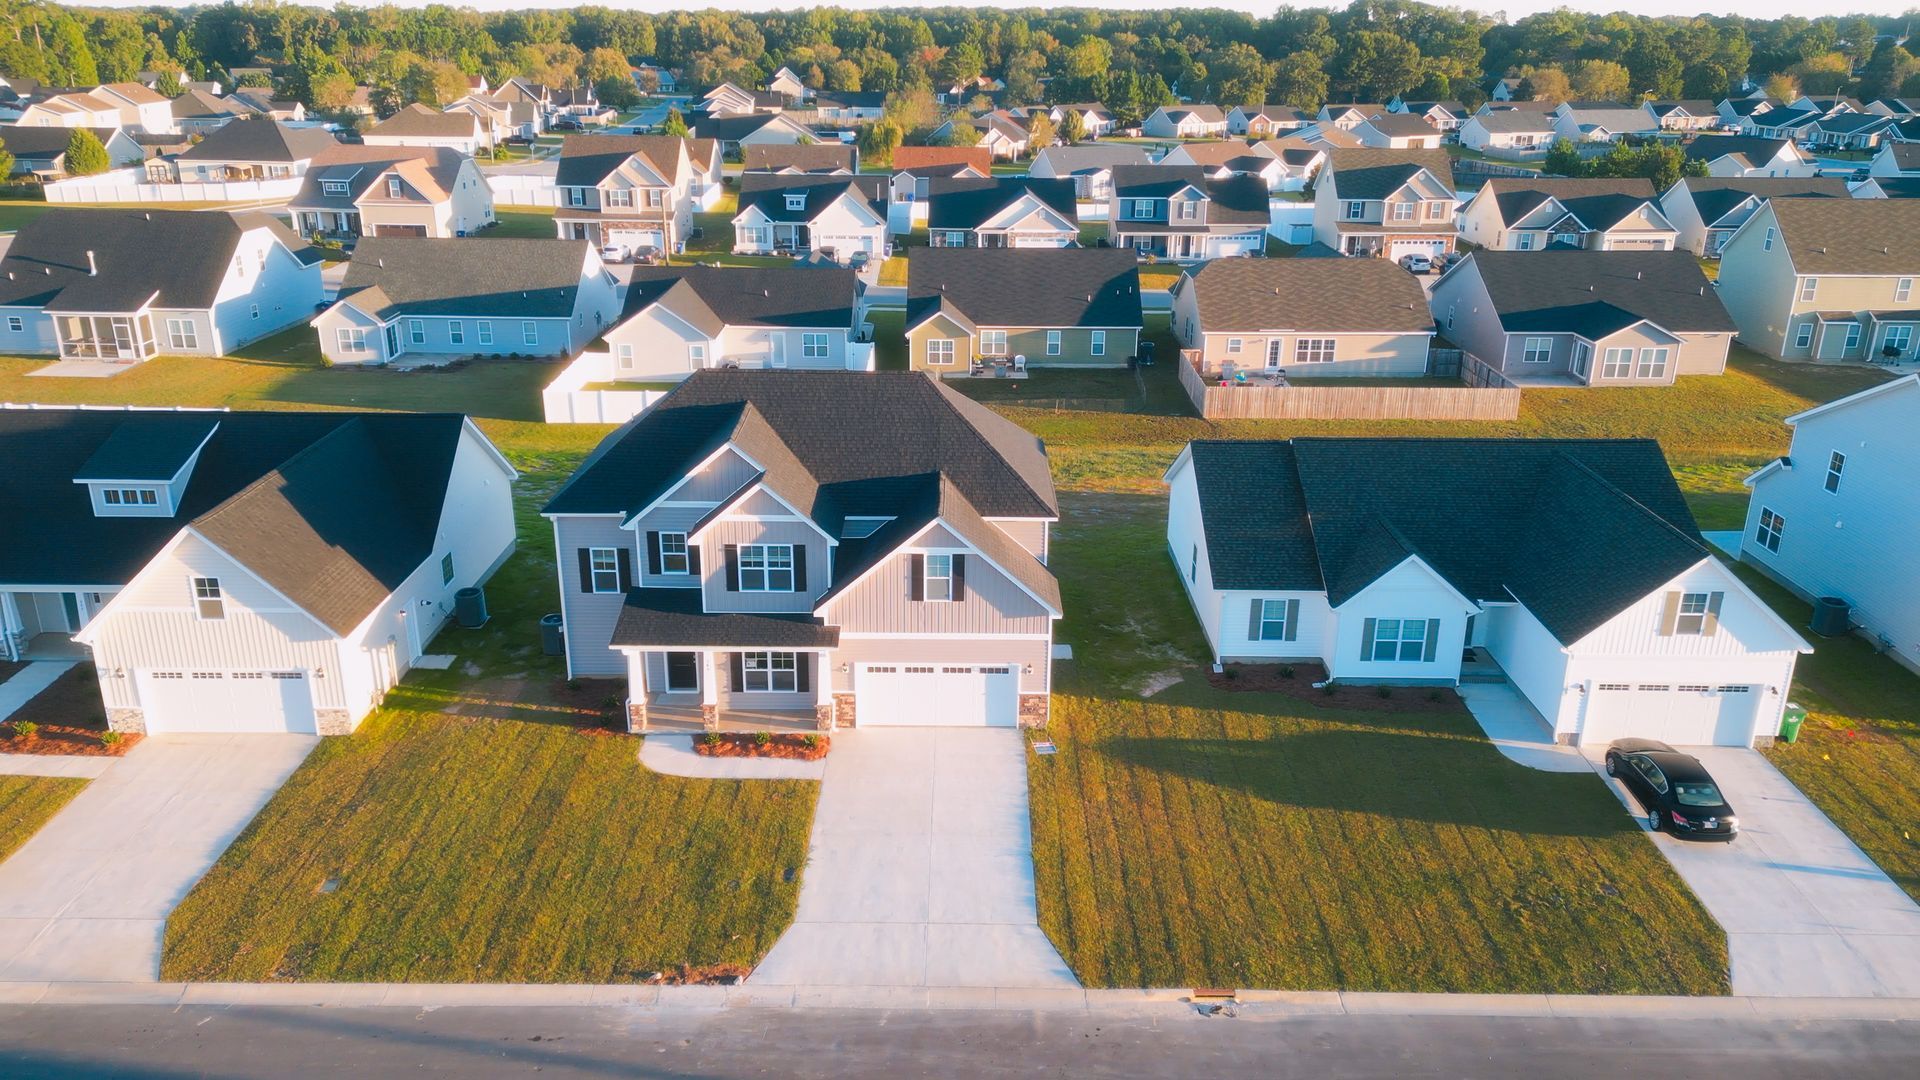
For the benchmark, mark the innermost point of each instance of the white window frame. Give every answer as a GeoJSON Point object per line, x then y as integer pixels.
{"type": "Point", "coordinates": [772, 563]}
{"type": "Point", "coordinates": [1399, 642]}
{"type": "Point", "coordinates": [16, 324]}
{"type": "Point", "coordinates": [1233, 346]}
{"type": "Point", "coordinates": [796, 200]}
{"type": "Point", "coordinates": [697, 355]}
{"type": "Point", "coordinates": [394, 190]}
{"type": "Point", "coordinates": [769, 670]}
{"type": "Point", "coordinates": [1053, 343]}
{"type": "Point", "coordinates": [1803, 336]}
{"type": "Point", "coordinates": [209, 602]}
{"type": "Point", "coordinates": [456, 332]}
{"type": "Point", "coordinates": [253, 311]}
{"type": "Point", "coordinates": [1273, 613]}
{"type": "Point", "coordinates": [940, 352]}
{"type": "Point", "coordinates": [1537, 350]}
{"type": "Point", "coordinates": [1616, 364]}
{"type": "Point", "coordinates": [604, 560]}
{"type": "Point", "coordinates": [182, 334]}
{"type": "Point", "coordinates": [1766, 241]}
{"type": "Point", "coordinates": [576, 196]}
{"type": "Point", "coordinates": [1809, 287]}
{"type": "Point", "coordinates": [351, 339]}
{"type": "Point", "coordinates": [1099, 343]}
{"type": "Point", "coordinates": [1836, 469]}
{"type": "Point", "coordinates": [1403, 211]}
{"type": "Point", "coordinates": [1437, 209]}
{"type": "Point", "coordinates": [1690, 619]}
{"type": "Point", "coordinates": [1356, 209]}
{"type": "Point", "coordinates": [1852, 340]}
{"type": "Point", "coordinates": [1523, 241]}
{"type": "Point", "coordinates": [483, 329]}
{"type": "Point", "coordinates": [678, 560]}
{"type": "Point", "coordinates": [1142, 209]}
{"type": "Point", "coordinates": [1314, 350]}
{"type": "Point", "coordinates": [993, 343]}
{"type": "Point", "coordinates": [1903, 333]}
{"type": "Point", "coordinates": [813, 346]}
{"type": "Point", "coordinates": [621, 197]}
{"type": "Point", "coordinates": [1772, 527]}
{"type": "Point", "coordinates": [1653, 363]}
{"type": "Point", "coordinates": [936, 577]}
{"type": "Point", "coordinates": [529, 332]}
{"type": "Point", "coordinates": [1902, 290]}
{"type": "Point", "coordinates": [1189, 210]}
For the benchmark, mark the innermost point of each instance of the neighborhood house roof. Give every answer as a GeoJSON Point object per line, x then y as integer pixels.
{"type": "Point", "coordinates": [1597, 293]}
{"type": "Point", "coordinates": [1368, 173]}
{"type": "Point", "coordinates": [1229, 153]}
{"type": "Point", "coordinates": [526, 279]}
{"type": "Point", "coordinates": [419, 120]}
{"type": "Point", "coordinates": [733, 127]}
{"type": "Point", "coordinates": [909, 158]}
{"type": "Point", "coordinates": [1331, 296]}
{"type": "Point", "coordinates": [819, 157]}
{"type": "Point", "coordinates": [119, 260]}
{"type": "Point", "coordinates": [586, 160]}
{"type": "Point", "coordinates": [1860, 237]}
{"type": "Point", "coordinates": [1082, 160]}
{"type": "Point", "coordinates": [333, 510]}
{"type": "Point", "coordinates": [200, 105]}
{"type": "Point", "coordinates": [1025, 287]}
{"type": "Point", "coordinates": [1714, 197]}
{"type": "Point", "coordinates": [1206, 114]}
{"type": "Point", "coordinates": [45, 142]}
{"type": "Point", "coordinates": [713, 297]}
{"type": "Point", "coordinates": [1479, 512]}
{"type": "Point", "coordinates": [152, 451]}
{"type": "Point", "coordinates": [768, 193]}
{"type": "Point", "coordinates": [669, 618]}
{"type": "Point", "coordinates": [1752, 149]}
{"type": "Point", "coordinates": [1235, 200]}
{"type": "Point", "coordinates": [1598, 203]}
{"type": "Point", "coordinates": [965, 202]}
{"type": "Point", "coordinates": [431, 171]}
{"type": "Point", "coordinates": [1515, 121]}
{"type": "Point", "coordinates": [1400, 125]}
{"type": "Point", "coordinates": [260, 138]}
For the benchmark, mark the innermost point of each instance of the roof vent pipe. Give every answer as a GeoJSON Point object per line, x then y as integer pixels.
{"type": "Point", "coordinates": [93, 267]}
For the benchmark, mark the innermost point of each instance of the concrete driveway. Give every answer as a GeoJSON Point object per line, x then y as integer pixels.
{"type": "Point", "coordinates": [920, 871]}
{"type": "Point", "coordinates": [1807, 914]}
{"type": "Point", "coordinates": [86, 900]}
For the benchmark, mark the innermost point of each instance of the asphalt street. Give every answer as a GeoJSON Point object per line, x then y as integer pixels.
{"type": "Point", "coordinates": [167, 1041]}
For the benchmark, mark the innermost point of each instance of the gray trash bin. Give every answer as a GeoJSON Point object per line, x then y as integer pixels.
{"type": "Point", "coordinates": [552, 635]}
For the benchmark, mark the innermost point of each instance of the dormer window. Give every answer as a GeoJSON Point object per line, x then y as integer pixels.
{"type": "Point", "coordinates": [130, 497]}
{"type": "Point", "coordinates": [333, 187]}
{"type": "Point", "coordinates": [394, 190]}
{"type": "Point", "coordinates": [796, 202]}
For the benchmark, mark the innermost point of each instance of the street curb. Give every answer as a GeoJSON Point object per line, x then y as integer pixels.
{"type": "Point", "coordinates": [1247, 1004]}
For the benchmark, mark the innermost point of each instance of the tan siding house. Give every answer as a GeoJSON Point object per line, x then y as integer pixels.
{"type": "Point", "coordinates": [1825, 279]}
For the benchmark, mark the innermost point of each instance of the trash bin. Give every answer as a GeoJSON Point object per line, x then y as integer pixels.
{"type": "Point", "coordinates": [552, 635]}
{"type": "Point", "coordinates": [1791, 721]}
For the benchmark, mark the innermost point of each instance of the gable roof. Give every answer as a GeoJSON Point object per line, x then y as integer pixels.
{"type": "Point", "coordinates": [1226, 153]}
{"type": "Point", "coordinates": [1089, 158]}
{"type": "Point", "coordinates": [965, 202]}
{"type": "Point", "coordinates": [1598, 203]}
{"type": "Point", "coordinates": [432, 171]}
{"type": "Point", "coordinates": [47, 264]}
{"type": "Point", "coordinates": [1401, 125]}
{"type": "Point", "coordinates": [1206, 114]}
{"type": "Point", "coordinates": [1375, 173]}
{"type": "Point", "coordinates": [732, 127]}
{"type": "Point", "coordinates": [1026, 287]}
{"type": "Point", "coordinates": [1690, 106]}
{"type": "Point", "coordinates": [1850, 236]}
{"type": "Point", "coordinates": [1236, 200]}
{"type": "Point", "coordinates": [768, 193]}
{"type": "Point", "coordinates": [908, 158]}
{"type": "Point", "coordinates": [1906, 155]}
{"type": "Point", "coordinates": [260, 138]}
{"type": "Point", "coordinates": [1479, 512]}
{"type": "Point", "coordinates": [200, 105]}
{"type": "Point", "coordinates": [818, 157]}
{"type": "Point", "coordinates": [525, 279]}
{"type": "Point", "coordinates": [712, 297]}
{"type": "Point", "coordinates": [1514, 121]}
{"type": "Point", "coordinates": [1596, 293]}
{"type": "Point", "coordinates": [1753, 149]}
{"type": "Point", "coordinates": [47, 142]}
{"type": "Point", "coordinates": [1714, 197]}
{"type": "Point", "coordinates": [333, 509]}
{"type": "Point", "coordinates": [419, 120]}
{"type": "Point", "coordinates": [1784, 116]}
{"type": "Point", "coordinates": [1312, 295]}
{"type": "Point", "coordinates": [586, 160]}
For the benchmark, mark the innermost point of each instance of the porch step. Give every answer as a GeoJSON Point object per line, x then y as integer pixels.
{"type": "Point", "coordinates": [1483, 677]}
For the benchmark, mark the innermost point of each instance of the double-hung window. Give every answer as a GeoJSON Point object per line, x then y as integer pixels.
{"type": "Point", "coordinates": [484, 328]}
{"type": "Point", "coordinates": [1808, 287]}
{"type": "Point", "coordinates": [1143, 209]}
{"type": "Point", "coordinates": [529, 332]}
{"type": "Point", "coordinates": [1233, 346]}
{"type": "Point", "coordinates": [673, 553]}
{"type": "Point", "coordinates": [1898, 338]}
{"type": "Point", "coordinates": [813, 346]}
{"type": "Point", "coordinates": [1836, 464]}
{"type": "Point", "coordinates": [1099, 343]}
{"type": "Point", "coordinates": [1616, 364]}
{"type": "Point", "coordinates": [394, 190]}
{"type": "Point", "coordinates": [1356, 210]}
{"type": "Point", "coordinates": [1772, 528]}
{"type": "Point", "coordinates": [655, 198]}
{"type": "Point", "coordinates": [993, 343]}
{"type": "Point", "coordinates": [623, 356]}
{"type": "Point", "coordinates": [766, 568]}
{"type": "Point", "coordinates": [1437, 209]}
{"type": "Point", "coordinates": [940, 352]}
{"type": "Point", "coordinates": [1692, 619]}
{"type": "Point", "coordinates": [353, 339]}
{"type": "Point", "coordinates": [1523, 241]}
{"type": "Point", "coordinates": [1803, 337]}
{"type": "Point", "coordinates": [1273, 620]}
{"type": "Point", "coordinates": [456, 332]}
{"type": "Point", "coordinates": [1653, 363]}
{"type": "Point", "coordinates": [697, 356]}
{"type": "Point", "coordinates": [938, 577]}
{"type": "Point", "coordinates": [769, 672]}
{"type": "Point", "coordinates": [182, 335]}
{"type": "Point", "coordinates": [416, 332]}
{"type": "Point", "coordinates": [1852, 341]}
{"type": "Point", "coordinates": [1539, 350]}
{"type": "Point", "coordinates": [576, 196]}
{"type": "Point", "coordinates": [1053, 343]}
{"type": "Point", "coordinates": [1403, 211]}
{"type": "Point", "coordinates": [16, 324]}
{"type": "Point", "coordinates": [603, 569]}
{"type": "Point", "coordinates": [1313, 351]}
{"type": "Point", "coordinates": [1903, 290]}
{"type": "Point", "coordinates": [208, 601]}
{"type": "Point", "coordinates": [1189, 210]}
{"type": "Point", "coordinates": [1766, 242]}
{"type": "Point", "coordinates": [1399, 640]}
{"type": "Point", "coordinates": [619, 197]}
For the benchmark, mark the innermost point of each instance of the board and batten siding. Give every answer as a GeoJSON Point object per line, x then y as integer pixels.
{"type": "Point", "coordinates": [589, 616]}
{"type": "Point", "coordinates": [799, 533]}
{"type": "Point", "coordinates": [154, 626]}
{"type": "Point", "coordinates": [882, 603]}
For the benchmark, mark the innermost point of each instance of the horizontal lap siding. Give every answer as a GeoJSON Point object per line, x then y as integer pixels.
{"type": "Point", "coordinates": [1029, 534]}
{"type": "Point", "coordinates": [726, 475]}
{"type": "Point", "coordinates": [590, 617]}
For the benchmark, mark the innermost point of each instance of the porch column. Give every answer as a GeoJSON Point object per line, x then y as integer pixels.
{"type": "Point", "coordinates": [823, 690]}
{"type": "Point", "coordinates": [11, 644]}
{"type": "Point", "coordinates": [637, 693]}
{"type": "Point", "coordinates": [709, 692]}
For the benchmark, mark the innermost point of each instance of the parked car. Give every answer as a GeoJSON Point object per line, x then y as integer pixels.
{"type": "Point", "coordinates": [1417, 264]}
{"type": "Point", "coordinates": [1673, 788]}
{"type": "Point", "coordinates": [615, 253]}
{"type": "Point", "coordinates": [647, 255]}
{"type": "Point", "coordinates": [567, 125]}
{"type": "Point", "coordinates": [859, 260]}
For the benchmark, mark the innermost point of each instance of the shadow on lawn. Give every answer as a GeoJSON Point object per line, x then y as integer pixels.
{"type": "Point", "coordinates": [1399, 773]}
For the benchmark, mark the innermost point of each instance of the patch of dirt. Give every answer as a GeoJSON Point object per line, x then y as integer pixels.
{"type": "Point", "coordinates": [1160, 680]}
{"type": "Point", "coordinates": [796, 747]}
{"type": "Point", "coordinates": [1274, 679]}
{"type": "Point", "coordinates": [701, 975]}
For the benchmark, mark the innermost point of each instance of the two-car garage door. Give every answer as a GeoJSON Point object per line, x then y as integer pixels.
{"type": "Point", "coordinates": [937, 695]}
{"type": "Point", "coordinates": [1676, 714]}
{"type": "Point", "coordinates": [252, 702]}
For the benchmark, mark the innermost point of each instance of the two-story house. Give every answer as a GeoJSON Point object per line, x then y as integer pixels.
{"type": "Point", "coordinates": [1591, 213]}
{"type": "Point", "coordinates": [1002, 211]}
{"type": "Point", "coordinates": [1089, 166]}
{"type": "Point", "coordinates": [1825, 279]}
{"type": "Point", "coordinates": [1231, 157]}
{"type": "Point", "coordinates": [355, 191]}
{"type": "Point", "coordinates": [1706, 210]}
{"type": "Point", "coordinates": [916, 167]}
{"type": "Point", "coordinates": [841, 215]}
{"type": "Point", "coordinates": [997, 132]}
{"type": "Point", "coordinates": [1832, 516]}
{"type": "Point", "coordinates": [1459, 562]}
{"type": "Point", "coordinates": [999, 311]}
{"type": "Point", "coordinates": [811, 550]}
{"type": "Point", "coordinates": [197, 112]}
{"type": "Point", "coordinates": [1177, 212]}
{"type": "Point", "coordinates": [433, 301]}
{"type": "Point", "coordinates": [628, 189]}
{"type": "Point", "coordinates": [1388, 203]}
{"type": "Point", "coordinates": [677, 320]}
{"type": "Point", "coordinates": [128, 285]}
{"type": "Point", "coordinates": [243, 572]}
{"type": "Point", "coordinates": [1307, 318]}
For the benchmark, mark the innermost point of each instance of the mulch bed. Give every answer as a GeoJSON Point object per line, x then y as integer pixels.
{"type": "Point", "coordinates": [777, 746]}
{"type": "Point", "coordinates": [71, 719]}
{"type": "Point", "coordinates": [701, 975]}
{"type": "Point", "coordinates": [1272, 679]}
{"type": "Point", "coordinates": [66, 742]}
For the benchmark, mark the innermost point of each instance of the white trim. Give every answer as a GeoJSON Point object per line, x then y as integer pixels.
{"type": "Point", "coordinates": [114, 605]}
{"type": "Point", "coordinates": [911, 543]}
{"type": "Point", "coordinates": [845, 636]}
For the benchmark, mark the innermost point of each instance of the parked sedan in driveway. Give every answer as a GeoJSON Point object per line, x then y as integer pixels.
{"type": "Point", "coordinates": [1673, 788]}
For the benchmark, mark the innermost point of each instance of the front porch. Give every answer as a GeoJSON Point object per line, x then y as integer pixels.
{"type": "Point", "coordinates": [40, 625]}
{"type": "Point", "coordinates": [685, 719]}
{"type": "Point", "coordinates": [774, 671]}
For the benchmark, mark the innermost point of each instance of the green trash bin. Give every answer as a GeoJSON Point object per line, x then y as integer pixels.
{"type": "Point", "coordinates": [1791, 721]}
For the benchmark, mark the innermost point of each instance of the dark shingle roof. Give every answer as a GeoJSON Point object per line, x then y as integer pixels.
{"type": "Point", "coordinates": [1478, 511]}
{"type": "Point", "coordinates": [1596, 293]}
{"type": "Point", "coordinates": [712, 296]}
{"type": "Point", "coordinates": [1400, 125]}
{"type": "Point", "coordinates": [332, 509]}
{"type": "Point", "coordinates": [1851, 236]}
{"type": "Point", "coordinates": [1507, 121]}
{"type": "Point", "coordinates": [1367, 173]}
{"type": "Point", "coordinates": [154, 449]}
{"type": "Point", "coordinates": [521, 279]}
{"type": "Point", "coordinates": [260, 138]}
{"type": "Point", "coordinates": [965, 202]}
{"type": "Point", "coordinates": [1235, 200]}
{"type": "Point", "coordinates": [422, 168]}
{"type": "Point", "coordinates": [769, 191]}
{"type": "Point", "coordinates": [178, 256]}
{"type": "Point", "coordinates": [818, 157]}
{"type": "Point", "coordinates": [732, 127]}
{"type": "Point", "coordinates": [44, 142]}
{"type": "Point", "coordinates": [585, 160]}
{"type": "Point", "coordinates": [1755, 149]}
{"type": "Point", "coordinates": [667, 618]}
{"type": "Point", "coordinates": [1715, 196]}
{"type": "Point", "coordinates": [1598, 203]}
{"type": "Point", "coordinates": [419, 120]}
{"type": "Point", "coordinates": [1026, 287]}
{"type": "Point", "coordinates": [1332, 296]}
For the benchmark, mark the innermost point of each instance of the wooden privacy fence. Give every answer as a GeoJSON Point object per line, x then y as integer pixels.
{"type": "Point", "coordinates": [1261, 401]}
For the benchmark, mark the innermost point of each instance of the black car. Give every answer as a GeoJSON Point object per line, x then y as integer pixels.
{"type": "Point", "coordinates": [1674, 789]}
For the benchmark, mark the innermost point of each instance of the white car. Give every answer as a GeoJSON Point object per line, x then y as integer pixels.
{"type": "Point", "coordinates": [1417, 263]}
{"type": "Point", "coordinates": [615, 253]}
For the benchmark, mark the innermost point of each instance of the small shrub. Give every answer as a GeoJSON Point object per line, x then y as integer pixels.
{"type": "Point", "coordinates": [811, 741]}
{"type": "Point", "coordinates": [26, 729]}
{"type": "Point", "coordinates": [1327, 688]}
{"type": "Point", "coordinates": [611, 703]}
{"type": "Point", "coordinates": [1434, 695]}
{"type": "Point", "coordinates": [711, 738]}
{"type": "Point", "coordinates": [573, 684]}
{"type": "Point", "coordinates": [111, 738]}
{"type": "Point", "coordinates": [1286, 671]}
{"type": "Point", "coordinates": [1383, 692]}
{"type": "Point", "coordinates": [762, 738]}
{"type": "Point", "coordinates": [1232, 671]}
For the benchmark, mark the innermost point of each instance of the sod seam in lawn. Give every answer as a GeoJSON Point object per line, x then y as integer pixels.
{"type": "Point", "coordinates": [28, 802]}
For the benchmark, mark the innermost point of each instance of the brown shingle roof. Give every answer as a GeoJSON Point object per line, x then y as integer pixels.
{"type": "Point", "coordinates": [1311, 295]}
{"type": "Point", "coordinates": [1851, 236]}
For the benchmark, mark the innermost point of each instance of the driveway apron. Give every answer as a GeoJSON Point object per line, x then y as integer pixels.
{"type": "Point", "coordinates": [86, 900]}
{"type": "Point", "coordinates": [920, 868]}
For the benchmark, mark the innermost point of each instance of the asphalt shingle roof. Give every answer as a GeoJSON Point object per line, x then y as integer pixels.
{"type": "Point", "coordinates": [585, 160]}
{"type": "Point", "coordinates": [667, 618]}
{"type": "Point", "coordinates": [1368, 173]}
{"type": "Point", "coordinates": [1753, 148]}
{"type": "Point", "coordinates": [177, 258]}
{"type": "Point", "coordinates": [1026, 287]}
{"type": "Point", "coordinates": [1596, 293]}
{"type": "Point", "coordinates": [419, 120]}
{"type": "Point", "coordinates": [769, 191]}
{"type": "Point", "coordinates": [260, 138]}
{"type": "Point", "coordinates": [1598, 203]}
{"type": "Point", "coordinates": [964, 202]}
{"type": "Point", "coordinates": [1716, 196]}
{"type": "Point", "coordinates": [1235, 200]}
{"type": "Point", "coordinates": [819, 157]}
{"type": "Point", "coordinates": [712, 297]}
{"type": "Point", "coordinates": [1315, 295]}
{"type": "Point", "coordinates": [524, 279]}
{"type": "Point", "coordinates": [1851, 236]}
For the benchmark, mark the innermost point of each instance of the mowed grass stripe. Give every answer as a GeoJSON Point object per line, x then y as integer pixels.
{"type": "Point", "coordinates": [28, 802]}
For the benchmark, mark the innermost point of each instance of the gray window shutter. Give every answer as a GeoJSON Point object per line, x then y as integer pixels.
{"type": "Point", "coordinates": [693, 560]}
{"type": "Point", "coordinates": [1293, 619]}
{"type": "Point", "coordinates": [1253, 619]}
{"type": "Point", "coordinates": [1669, 614]}
{"type": "Point", "coordinates": [959, 577]}
{"type": "Point", "coordinates": [1713, 613]}
{"type": "Point", "coordinates": [1433, 640]}
{"type": "Point", "coordinates": [917, 571]}
{"type": "Point", "coordinates": [586, 569]}
{"type": "Point", "coordinates": [624, 560]}
{"type": "Point", "coordinates": [802, 672]}
{"type": "Point", "coordinates": [799, 568]}
{"type": "Point", "coordinates": [733, 567]}
{"type": "Point", "coordinates": [1366, 640]}
{"type": "Point", "coordinates": [653, 551]}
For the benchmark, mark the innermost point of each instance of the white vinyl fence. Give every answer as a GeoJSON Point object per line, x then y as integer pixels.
{"type": "Point", "coordinates": [1292, 221]}
{"type": "Point", "coordinates": [131, 186]}
{"type": "Point", "coordinates": [566, 401]}
{"type": "Point", "coordinates": [523, 189]}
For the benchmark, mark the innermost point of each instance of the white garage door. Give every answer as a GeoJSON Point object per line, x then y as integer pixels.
{"type": "Point", "coordinates": [1637, 245]}
{"type": "Point", "coordinates": [1398, 248]}
{"type": "Point", "coordinates": [1676, 714]}
{"type": "Point", "coordinates": [227, 701]}
{"type": "Point", "coordinates": [937, 695]}
{"type": "Point", "coordinates": [636, 238]}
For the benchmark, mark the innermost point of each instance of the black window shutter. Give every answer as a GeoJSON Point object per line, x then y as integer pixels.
{"type": "Point", "coordinates": [1366, 639]}
{"type": "Point", "coordinates": [586, 569]}
{"type": "Point", "coordinates": [1293, 620]}
{"type": "Point", "coordinates": [737, 671]}
{"type": "Point", "coordinates": [733, 567]}
{"type": "Point", "coordinates": [625, 562]}
{"type": "Point", "coordinates": [959, 577]}
{"type": "Point", "coordinates": [917, 570]}
{"type": "Point", "coordinates": [653, 552]}
{"type": "Point", "coordinates": [1254, 611]}
{"type": "Point", "coordinates": [803, 671]}
{"type": "Point", "coordinates": [693, 560]}
{"type": "Point", "coordinates": [799, 568]}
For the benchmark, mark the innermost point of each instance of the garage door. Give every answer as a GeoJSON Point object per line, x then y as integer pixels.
{"type": "Point", "coordinates": [1637, 245]}
{"type": "Point", "coordinates": [227, 701]}
{"type": "Point", "coordinates": [636, 238]}
{"type": "Point", "coordinates": [1677, 714]}
{"type": "Point", "coordinates": [399, 230]}
{"type": "Point", "coordinates": [937, 695]}
{"type": "Point", "coordinates": [1398, 248]}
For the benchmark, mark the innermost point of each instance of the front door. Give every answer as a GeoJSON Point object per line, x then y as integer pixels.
{"type": "Point", "coordinates": [1582, 359]}
{"type": "Point", "coordinates": [71, 602]}
{"type": "Point", "coordinates": [683, 672]}
{"type": "Point", "coordinates": [1273, 355]}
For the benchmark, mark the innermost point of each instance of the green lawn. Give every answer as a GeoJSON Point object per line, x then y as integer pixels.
{"type": "Point", "coordinates": [1200, 837]}
{"type": "Point", "coordinates": [521, 223]}
{"type": "Point", "coordinates": [15, 213]}
{"type": "Point", "coordinates": [889, 337]}
{"type": "Point", "coordinates": [28, 802]}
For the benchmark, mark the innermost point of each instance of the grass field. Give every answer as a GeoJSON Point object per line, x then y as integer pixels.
{"type": "Point", "coordinates": [521, 223]}
{"type": "Point", "coordinates": [15, 213]}
{"type": "Point", "coordinates": [28, 802]}
{"type": "Point", "coordinates": [1203, 837]}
